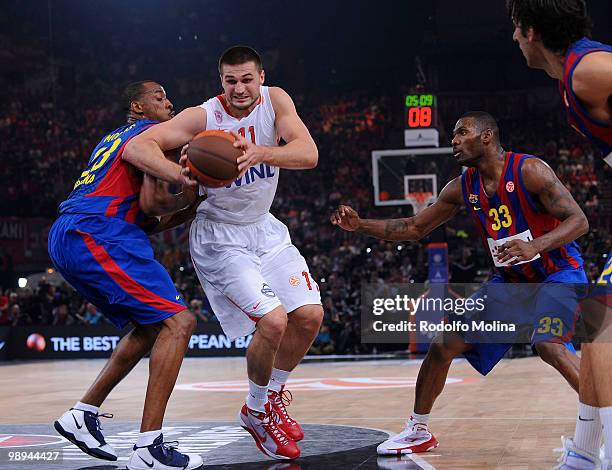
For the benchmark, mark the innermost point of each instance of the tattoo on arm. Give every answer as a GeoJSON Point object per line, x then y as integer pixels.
{"type": "Point", "coordinates": [395, 228]}
{"type": "Point", "coordinates": [560, 200]}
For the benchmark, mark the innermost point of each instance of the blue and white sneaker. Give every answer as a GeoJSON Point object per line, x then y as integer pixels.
{"type": "Point", "coordinates": [162, 456]}
{"type": "Point", "coordinates": [574, 458]}
{"type": "Point", "coordinates": [83, 429]}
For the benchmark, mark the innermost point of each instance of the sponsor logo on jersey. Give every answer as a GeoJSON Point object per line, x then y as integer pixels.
{"type": "Point", "coordinates": [510, 186]}
{"type": "Point", "coordinates": [255, 173]}
{"type": "Point", "coordinates": [473, 198]}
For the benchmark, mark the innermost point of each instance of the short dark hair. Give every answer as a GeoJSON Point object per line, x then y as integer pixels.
{"type": "Point", "coordinates": [132, 92]}
{"type": "Point", "coordinates": [558, 22]}
{"type": "Point", "coordinates": [237, 55]}
{"type": "Point", "coordinates": [483, 121]}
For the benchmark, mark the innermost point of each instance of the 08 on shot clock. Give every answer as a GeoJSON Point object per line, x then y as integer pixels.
{"type": "Point", "coordinates": [420, 111]}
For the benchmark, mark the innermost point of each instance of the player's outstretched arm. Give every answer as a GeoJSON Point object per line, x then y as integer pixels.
{"type": "Point", "coordinates": [300, 153]}
{"type": "Point", "coordinates": [146, 150]}
{"type": "Point", "coordinates": [540, 180]}
{"type": "Point", "coordinates": [414, 228]}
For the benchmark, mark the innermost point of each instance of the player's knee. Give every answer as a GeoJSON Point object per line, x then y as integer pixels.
{"type": "Point", "coordinates": [188, 322]}
{"type": "Point", "coordinates": [551, 353]}
{"type": "Point", "coordinates": [182, 324]}
{"type": "Point", "coordinates": [272, 325]}
{"type": "Point", "coordinates": [147, 333]}
{"type": "Point", "coordinates": [441, 352]}
{"type": "Point", "coordinates": [308, 318]}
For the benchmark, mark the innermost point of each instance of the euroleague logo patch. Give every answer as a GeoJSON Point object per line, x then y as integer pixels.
{"type": "Point", "coordinates": [510, 186]}
{"type": "Point", "coordinates": [267, 291]}
{"type": "Point", "coordinates": [294, 281]}
{"type": "Point", "coordinates": [28, 440]}
{"type": "Point", "coordinates": [319, 384]}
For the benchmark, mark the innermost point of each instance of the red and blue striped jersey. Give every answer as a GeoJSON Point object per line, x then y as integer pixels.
{"type": "Point", "coordinates": [511, 213]}
{"type": "Point", "coordinates": [109, 185]}
{"type": "Point", "coordinates": [598, 132]}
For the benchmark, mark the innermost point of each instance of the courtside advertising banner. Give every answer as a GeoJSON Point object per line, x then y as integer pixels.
{"type": "Point", "coordinates": [99, 341]}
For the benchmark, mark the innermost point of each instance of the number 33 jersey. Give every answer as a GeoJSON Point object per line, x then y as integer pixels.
{"type": "Point", "coordinates": [109, 185]}
{"type": "Point", "coordinates": [510, 213]}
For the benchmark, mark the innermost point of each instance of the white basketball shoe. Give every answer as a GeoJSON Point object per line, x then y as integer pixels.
{"type": "Point", "coordinates": [415, 438]}
{"type": "Point", "coordinates": [83, 429]}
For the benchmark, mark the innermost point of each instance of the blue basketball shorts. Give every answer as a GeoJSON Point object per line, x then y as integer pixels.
{"type": "Point", "coordinates": [541, 312]}
{"type": "Point", "coordinates": [110, 262]}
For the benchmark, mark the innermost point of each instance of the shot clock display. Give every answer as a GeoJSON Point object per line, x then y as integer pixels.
{"type": "Point", "coordinates": [421, 111]}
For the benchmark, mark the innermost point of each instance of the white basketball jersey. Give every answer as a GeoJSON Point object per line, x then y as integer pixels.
{"type": "Point", "coordinates": [248, 199]}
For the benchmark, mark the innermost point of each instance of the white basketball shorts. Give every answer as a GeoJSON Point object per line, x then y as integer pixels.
{"type": "Point", "coordinates": [247, 271]}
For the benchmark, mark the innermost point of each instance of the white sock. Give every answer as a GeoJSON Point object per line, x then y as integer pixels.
{"type": "Point", "coordinates": [257, 397]}
{"type": "Point", "coordinates": [587, 436]}
{"type": "Point", "coordinates": [278, 379]}
{"type": "Point", "coordinates": [421, 419]}
{"type": "Point", "coordinates": [146, 438]}
{"type": "Point", "coordinates": [605, 414]}
{"type": "Point", "coordinates": [85, 407]}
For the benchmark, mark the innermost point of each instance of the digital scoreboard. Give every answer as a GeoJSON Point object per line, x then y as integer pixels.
{"type": "Point", "coordinates": [421, 111]}
{"type": "Point", "coordinates": [420, 120]}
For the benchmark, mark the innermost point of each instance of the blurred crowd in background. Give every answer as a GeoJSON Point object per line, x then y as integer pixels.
{"type": "Point", "coordinates": [55, 112]}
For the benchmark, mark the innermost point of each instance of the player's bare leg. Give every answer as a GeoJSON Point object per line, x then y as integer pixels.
{"type": "Point", "coordinates": [126, 355]}
{"type": "Point", "coordinates": [257, 415]}
{"type": "Point", "coordinates": [599, 352]}
{"type": "Point", "coordinates": [264, 345]}
{"type": "Point", "coordinates": [599, 362]}
{"type": "Point", "coordinates": [600, 355]}
{"type": "Point", "coordinates": [559, 357]}
{"type": "Point", "coordinates": [434, 370]}
{"type": "Point", "coordinates": [164, 365]}
{"type": "Point", "coordinates": [168, 342]}
{"type": "Point", "coordinates": [581, 451]}
{"type": "Point", "coordinates": [416, 436]}
{"type": "Point", "coordinates": [302, 328]}
{"type": "Point", "coordinates": [587, 387]}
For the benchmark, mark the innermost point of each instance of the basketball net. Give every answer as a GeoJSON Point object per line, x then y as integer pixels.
{"type": "Point", "coordinates": [419, 200]}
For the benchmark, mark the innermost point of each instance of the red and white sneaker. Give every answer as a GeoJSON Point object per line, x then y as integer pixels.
{"type": "Point", "coordinates": [269, 437]}
{"type": "Point", "coordinates": [414, 438]}
{"type": "Point", "coordinates": [289, 425]}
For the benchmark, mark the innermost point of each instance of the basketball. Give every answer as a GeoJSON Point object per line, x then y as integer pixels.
{"type": "Point", "coordinates": [211, 158]}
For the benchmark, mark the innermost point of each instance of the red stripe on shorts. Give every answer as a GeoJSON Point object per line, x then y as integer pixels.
{"type": "Point", "coordinates": [124, 280]}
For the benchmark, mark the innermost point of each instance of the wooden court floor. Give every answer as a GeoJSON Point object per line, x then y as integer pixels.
{"type": "Point", "coordinates": [510, 420]}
